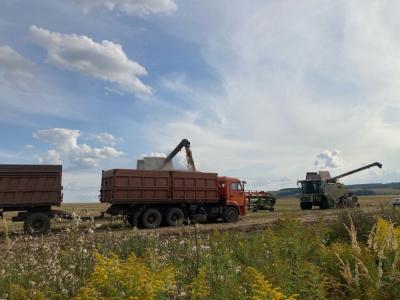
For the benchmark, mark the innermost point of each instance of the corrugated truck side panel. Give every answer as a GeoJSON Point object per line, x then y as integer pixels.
{"type": "Point", "coordinates": [30, 185]}
{"type": "Point", "coordinates": [147, 186]}
{"type": "Point", "coordinates": [195, 186]}
{"type": "Point", "coordinates": [131, 186]}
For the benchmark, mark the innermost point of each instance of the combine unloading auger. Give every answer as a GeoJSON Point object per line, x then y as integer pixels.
{"type": "Point", "coordinates": [189, 157]}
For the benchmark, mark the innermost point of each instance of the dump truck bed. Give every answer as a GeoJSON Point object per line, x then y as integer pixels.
{"type": "Point", "coordinates": [30, 185]}
{"type": "Point", "coordinates": [122, 186]}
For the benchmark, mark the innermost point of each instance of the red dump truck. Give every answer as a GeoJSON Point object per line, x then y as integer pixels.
{"type": "Point", "coordinates": [146, 197]}
{"type": "Point", "coordinates": [31, 190]}
{"type": "Point", "coordinates": [149, 198]}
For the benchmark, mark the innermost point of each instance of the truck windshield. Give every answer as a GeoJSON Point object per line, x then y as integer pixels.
{"type": "Point", "coordinates": [236, 186]}
{"type": "Point", "coordinates": [311, 187]}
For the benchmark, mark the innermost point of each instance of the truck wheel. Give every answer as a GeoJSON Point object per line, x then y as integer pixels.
{"type": "Point", "coordinates": [175, 216]}
{"type": "Point", "coordinates": [231, 214]}
{"type": "Point", "coordinates": [151, 218]}
{"type": "Point", "coordinates": [37, 223]}
{"type": "Point", "coordinates": [131, 220]}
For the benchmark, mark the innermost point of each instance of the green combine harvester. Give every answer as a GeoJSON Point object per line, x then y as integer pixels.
{"type": "Point", "coordinates": [320, 189]}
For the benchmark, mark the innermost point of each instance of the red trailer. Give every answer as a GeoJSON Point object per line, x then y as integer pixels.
{"type": "Point", "coordinates": [31, 190]}
{"type": "Point", "coordinates": [151, 197]}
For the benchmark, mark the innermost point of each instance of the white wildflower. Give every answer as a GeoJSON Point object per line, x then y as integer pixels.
{"type": "Point", "coordinates": [204, 247]}
{"type": "Point", "coordinates": [182, 294]}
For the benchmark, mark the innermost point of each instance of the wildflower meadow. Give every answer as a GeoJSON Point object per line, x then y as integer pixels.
{"type": "Point", "coordinates": [289, 260]}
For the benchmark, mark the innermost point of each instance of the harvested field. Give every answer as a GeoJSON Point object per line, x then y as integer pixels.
{"type": "Point", "coordinates": [254, 220]}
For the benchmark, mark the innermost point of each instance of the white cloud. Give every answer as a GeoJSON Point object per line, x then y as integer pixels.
{"type": "Point", "coordinates": [29, 147]}
{"type": "Point", "coordinates": [81, 185]}
{"type": "Point", "coordinates": [263, 183]}
{"type": "Point", "coordinates": [51, 157]}
{"type": "Point", "coordinates": [131, 7]}
{"type": "Point", "coordinates": [328, 159]}
{"type": "Point", "coordinates": [14, 69]}
{"type": "Point", "coordinates": [176, 83]}
{"type": "Point", "coordinates": [293, 79]}
{"type": "Point", "coordinates": [106, 138]}
{"type": "Point", "coordinates": [69, 151]}
{"type": "Point", "coordinates": [106, 60]}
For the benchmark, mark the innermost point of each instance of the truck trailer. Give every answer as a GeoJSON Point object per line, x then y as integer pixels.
{"type": "Point", "coordinates": [149, 198]}
{"type": "Point", "coordinates": [31, 190]}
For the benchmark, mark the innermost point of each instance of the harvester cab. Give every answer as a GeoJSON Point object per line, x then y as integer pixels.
{"type": "Point", "coordinates": [320, 189]}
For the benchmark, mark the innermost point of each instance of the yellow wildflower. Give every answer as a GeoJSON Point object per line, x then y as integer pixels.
{"type": "Point", "coordinates": [261, 289]}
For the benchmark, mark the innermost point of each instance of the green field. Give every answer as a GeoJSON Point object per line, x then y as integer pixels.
{"type": "Point", "coordinates": [298, 255]}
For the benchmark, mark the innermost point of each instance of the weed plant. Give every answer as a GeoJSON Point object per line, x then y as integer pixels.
{"type": "Point", "coordinates": [290, 260]}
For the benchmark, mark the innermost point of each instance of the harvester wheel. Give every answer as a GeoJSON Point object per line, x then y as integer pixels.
{"type": "Point", "coordinates": [37, 223]}
{"type": "Point", "coordinates": [306, 205]}
{"type": "Point", "coordinates": [231, 214]}
{"type": "Point", "coordinates": [175, 216]}
{"type": "Point", "coordinates": [151, 218]}
{"type": "Point", "coordinates": [324, 203]}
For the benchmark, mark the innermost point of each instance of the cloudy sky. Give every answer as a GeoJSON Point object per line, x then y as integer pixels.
{"type": "Point", "coordinates": [264, 90]}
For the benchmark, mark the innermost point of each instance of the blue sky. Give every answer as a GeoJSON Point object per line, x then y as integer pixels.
{"type": "Point", "coordinates": [264, 90]}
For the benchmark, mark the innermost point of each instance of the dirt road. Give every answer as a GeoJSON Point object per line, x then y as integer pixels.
{"type": "Point", "coordinates": [253, 221]}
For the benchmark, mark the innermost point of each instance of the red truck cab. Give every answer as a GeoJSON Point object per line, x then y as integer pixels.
{"type": "Point", "coordinates": [232, 191]}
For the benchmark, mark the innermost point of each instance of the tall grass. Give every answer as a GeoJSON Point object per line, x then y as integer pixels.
{"type": "Point", "coordinates": [288, 261]}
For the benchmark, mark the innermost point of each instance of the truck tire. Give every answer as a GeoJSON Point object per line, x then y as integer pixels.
{"type": "Point", "coordinates": [231, 214]}
{"type": "Point", "coordinates": [131, 220]}
{"type": "Point", "coordinates": [174, 216]}
{"type": "Point", "coordinates": [37, 223]}
{"type": "Point", "coordinates": [212, 219]}
{"type": "Point", "coordinates": [306, 205]}
{"type": "Point", "coordinates": [151, 218]}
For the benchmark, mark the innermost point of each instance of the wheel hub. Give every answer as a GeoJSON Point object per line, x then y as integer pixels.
{"type": "Point", "coordinates": [37, 224]}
